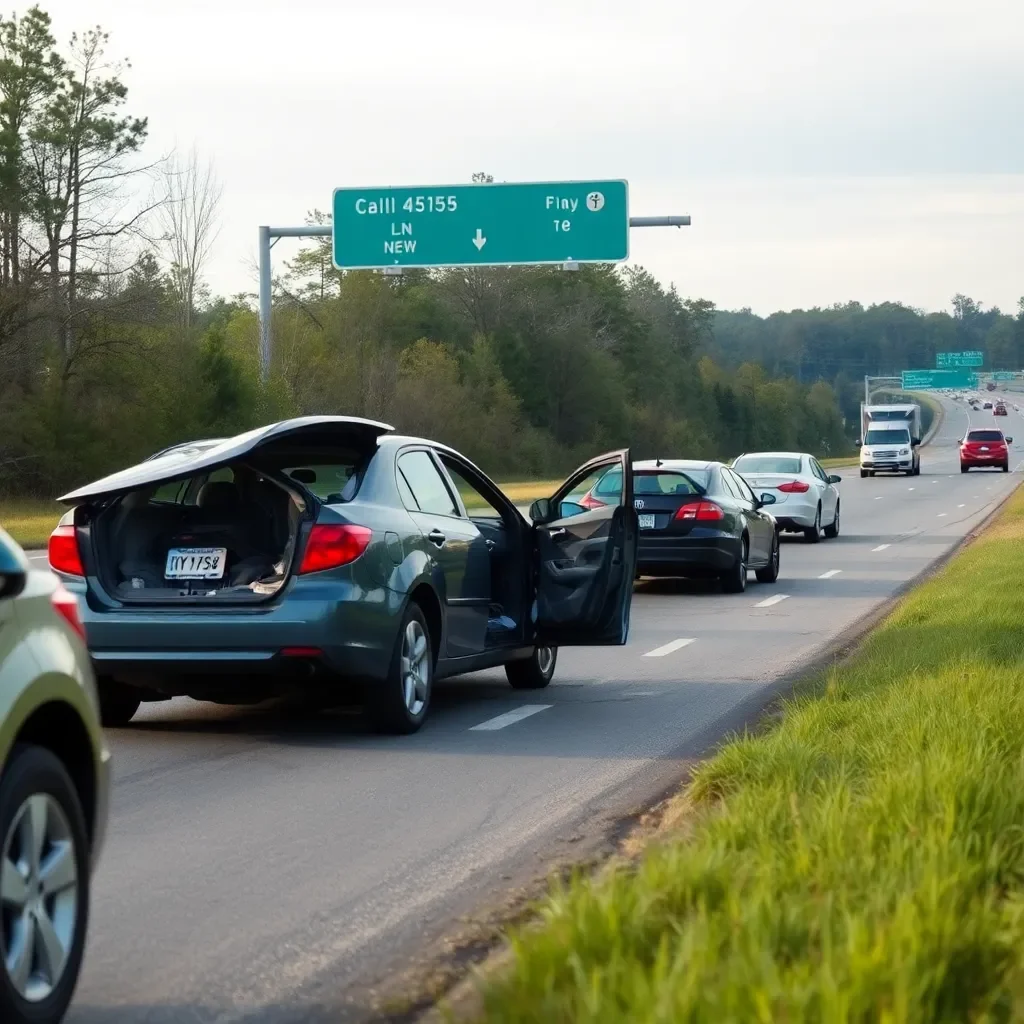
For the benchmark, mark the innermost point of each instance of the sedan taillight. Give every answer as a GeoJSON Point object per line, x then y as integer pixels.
{"type": "Point", "coordinates": [332, 545]}
{"type": "Point", "coordinates": [794, 487]}
{"type": "Point", "coordinates": [590, 502]}
{"type": "Point", "coordinates": [66, 606]}
{"type": "Point", "coordinates": [701, 511]}
{"type": "Point", "coordinates": [62, 551]}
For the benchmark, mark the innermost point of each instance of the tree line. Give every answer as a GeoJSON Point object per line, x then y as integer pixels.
{"type": "Point", "coordinates": [111, 347]}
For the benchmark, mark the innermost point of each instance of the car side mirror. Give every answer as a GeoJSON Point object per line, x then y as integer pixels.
{"type": "Point", "coordinates": [12, 582]}
{"type": "Point", "coordinates": [835, 479]}
{"type": "Point", "coordinates": [767, 498]}
{"type": "Point", "coordinates": [1009, 440]}
{"type": "Point", "coordinates": [540, 510]}
{"type": "Point", "coordinates": [859, 443]}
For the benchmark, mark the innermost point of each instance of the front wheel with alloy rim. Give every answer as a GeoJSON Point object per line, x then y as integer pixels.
{"type": "Point", "coordinates": [399, 703]}
{"type": "Point", "coordinates": [734, 581]}
{"type": "Point", "coordinates": [770, 573]}
{"type": "Point", "coordinates": [534, 672]}
{"type": "Point", "coordinates": [813, 534]}
{"type": "Point", "coordinates": [833, 531]}
{"type": "Point", "coordinates": [44, 888]}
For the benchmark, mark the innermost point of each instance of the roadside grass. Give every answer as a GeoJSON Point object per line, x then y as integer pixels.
{"type": "Point", "coordinates": [29, 521]}
{"type": "Point", "coordinates": [860, 858]}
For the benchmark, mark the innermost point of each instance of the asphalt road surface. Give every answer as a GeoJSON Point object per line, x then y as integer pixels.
{"type": "Point", "coordinates": [266, 865]}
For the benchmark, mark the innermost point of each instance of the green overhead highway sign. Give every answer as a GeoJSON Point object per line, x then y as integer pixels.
{"type": "Point", "coordinates": [481, 225]}
{"type": "Point", "coordinates": [929, 380]}
{"type": "Point", "coordinates": [946, 360]}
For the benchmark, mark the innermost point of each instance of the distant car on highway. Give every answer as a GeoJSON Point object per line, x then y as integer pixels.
{"type": "Point", "coordinates": [985, 447]}
{"type": "Point", "coordinates": [987, 405]}
{"type": "Point", "coordinates": [54, 781]}
{"type": "Point", "coordinates": [326, 550]}
{"type": "Point", "coordinates": [999, 410]}
{"type": "Point", "coordinates": [807, 498]}
{"type": "Point", "coordinates": [697, 519]}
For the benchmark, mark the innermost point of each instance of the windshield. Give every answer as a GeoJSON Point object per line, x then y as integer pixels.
{"type": "Point", "coordinates": [889, 414]}
{"type": "Point", "coordinates": [985, 435]}
{"type": "Point", "coordinates": [767, 464]}
{"type": "Point", "coordinates": [888, 437]}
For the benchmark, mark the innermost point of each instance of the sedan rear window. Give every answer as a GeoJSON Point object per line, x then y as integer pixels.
{"type": "Point", "coordinates": [766, 464]}
{"type": "Point", "coordinates": [984, 435]}
{"type": "Point", "coordinates": [329, 482]}
{"type": "Point", "coordinates": [666, 484]}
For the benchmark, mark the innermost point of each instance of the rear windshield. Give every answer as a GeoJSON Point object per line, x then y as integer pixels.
{"type": "Point", "coordinates": [984, 435]}
{"type": "Point", "coordinates": [887, 437]}
{"type": "Point", "coordinates": [330, 482]}
{"type": "Point", "coordinates": [665, 482]}
{"type": "Point", "coordinates": [766, 464]}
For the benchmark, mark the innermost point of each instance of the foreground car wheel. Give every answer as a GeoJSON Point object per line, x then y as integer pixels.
{"type": "Point", "coordinates": [399, 703]}
{"type": "Point", "coordinates": [118, 703]}
{"type": "Point", "coordinates": [813, 535]}
{"type": "Point", "coordinates": [735, 580]}
{"type": "Point", "coordinates": [44, 888]}
{"type": "Point", "coordinates": [1006, 467]}
{"type": "Point", "coordinates": [833, 531]}
{"type": "Point", "coordinates": [535, 672]}
{"type": "Point", "coordinates": [963, 468]}
{"type": "Point", "coordinates": [770, 573]}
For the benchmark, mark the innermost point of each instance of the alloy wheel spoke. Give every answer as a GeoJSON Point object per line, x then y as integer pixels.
{"type": "Point", "coordinates": [33, 830]}
{"type": "Point", "coordinates": [13, 884]}
{"type": "Point", "coordinates": [20, 955]}
{"type": "Point", "coordinates": [49, 949]}
{"type": "Point", "coordinates": [59, 871]}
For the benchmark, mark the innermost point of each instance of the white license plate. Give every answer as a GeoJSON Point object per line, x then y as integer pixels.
{"type": "Point", "coordinates": [195, 563]}
{"type": "Point", "coordinates": [646, 522]}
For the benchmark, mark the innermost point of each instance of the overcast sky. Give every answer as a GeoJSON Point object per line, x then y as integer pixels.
{"type": "Point", "coordinates": [826, 150]}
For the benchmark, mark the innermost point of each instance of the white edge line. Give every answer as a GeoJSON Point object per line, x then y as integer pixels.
{"type": "Point", "coordinates": [669, 648]}
{"type": "Point", "coordinates": [509, 718]}
{"type": "Point", "coordinates": [768, 602]}
{"type": "Point", "coordinates": [828, 575]}
{"type": "Point", "coordinates": [881, 547]}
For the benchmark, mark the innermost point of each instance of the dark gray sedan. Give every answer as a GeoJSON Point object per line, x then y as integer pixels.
{"type": "Point", "coordinates": [325, 550]}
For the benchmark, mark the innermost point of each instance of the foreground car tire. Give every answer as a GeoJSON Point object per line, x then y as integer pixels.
{"type": "Point", "coordinates": [118, 703]}
{"type": "Point", "coordinates": [735, 580]}
{"type": "Point", "coordinates": [813, 534]}
{"type": "Point", "coordinates": [831, 532]}
{"type": "Point", "coordinates": [770, 573]}
{"type": "Point", "coordinates": [44, 866]}
{"type": "Point", "coordinates": [963, 468]}
{"type": "Point", "coordinates": [535, 672]}
{"type": "Point", "coordinates": [399, 704]}
{"type": "Point", "coordinates": [863, 473]}
{"type": "Point", "coordinates": [1006, 467]}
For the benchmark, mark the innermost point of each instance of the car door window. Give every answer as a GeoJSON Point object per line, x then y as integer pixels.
{"type": "Point", "coordinates": [477, 505]}
{"type": "Point", "coordinates": [601, 486]}
{"type": "Point", "coordinates": [728, 486]}
{"type": "Point", "coordinates": [746, 494]}
{"type": "Point", "coordinates": [818, 471]}
{"type": "Point", "coordinates": [426, 484]}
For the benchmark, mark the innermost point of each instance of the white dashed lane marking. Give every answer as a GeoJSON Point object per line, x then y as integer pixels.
{"type": "Point", "coordinates": [941, 514]}
{"type": "Point", "coordinates": [881, 547]}
{"type": "Point", "coordinates": [768, 602]}
{"type": "Point", "coordinates": [961, 506]}
{"type": "Point", "coordinates": [669, 648]}
{"type": "Point", "coordinates": [828, 575]}
{"type": "Point", "coordinates": [509, 718]}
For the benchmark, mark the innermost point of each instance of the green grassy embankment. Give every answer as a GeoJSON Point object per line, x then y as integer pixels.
{"type": "Point", "coordinates": [861, 858]}
{"type": "Point", "coordinates": [29, 521]}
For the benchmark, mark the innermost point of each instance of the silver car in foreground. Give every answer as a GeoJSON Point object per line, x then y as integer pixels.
{"type": "Point", "coordinates": [807, 498]}
{"type": "Point", "coordinates": [54, 780]}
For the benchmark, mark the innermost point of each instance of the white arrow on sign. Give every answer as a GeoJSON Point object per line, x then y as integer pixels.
{"type": "Point", "coordinates": [479, 241]}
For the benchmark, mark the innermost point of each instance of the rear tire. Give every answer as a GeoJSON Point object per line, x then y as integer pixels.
{"type": "Point", "coordinates": [734, 581]}
{"type": "Point", "coordinates": [35, 778]}
{"type": "Point", "coordinates": [833, 531]}
{"type": "Point", "coordinates": [963, 468]}
{"type": "Point", "coordinates": [813, 534]}
{"type": "Point", "coordinates": [118, 703]}
{"type": "Point", "coordinates": [770, 573]}
{"type": "Point", "coordinates": [534, 672]}
{"type": "Point", "coordinates": [398, 704]}
{"type": "Point", "coordinates": [863, 473]}
{"type": "Point", "coordinates": [1006, 467]}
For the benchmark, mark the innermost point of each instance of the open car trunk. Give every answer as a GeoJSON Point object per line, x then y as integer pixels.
{"type": "Point", "coordinates": [231, 538]}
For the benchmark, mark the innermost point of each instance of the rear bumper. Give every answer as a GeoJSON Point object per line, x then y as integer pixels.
{"type": "Point", "coordinates": [995, 461]}
{"type": "Point", "coordinates": [326, 629]}
{"type": "Point", "coordinates": [686, 556]}
{"type": "Point", "coordinates": [794, 515]}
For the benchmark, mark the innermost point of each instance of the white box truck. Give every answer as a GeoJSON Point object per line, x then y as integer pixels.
{"type": "Point", "coordinates": [890, 436]}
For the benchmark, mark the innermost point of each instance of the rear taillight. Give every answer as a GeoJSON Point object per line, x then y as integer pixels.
{"type": "Point", "coordinates": [65, 605]}
{"type": "Point", "coordinates": [701, 511]}
{"type": "Point", "coordinates": [330, 546]}
{"type": "Point", "coordinates": [589, 501]}
{"type": "Point", "coordinates": [794, 487]}
{"type": "Point", "coordinates": [63, 551]}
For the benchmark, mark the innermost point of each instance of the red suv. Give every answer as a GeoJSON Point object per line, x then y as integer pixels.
{"type": "Point", "coordinates": [985, 448]}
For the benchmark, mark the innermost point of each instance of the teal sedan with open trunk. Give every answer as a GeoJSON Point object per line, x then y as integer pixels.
{"type": "Point", "coordinates": [327, 550]}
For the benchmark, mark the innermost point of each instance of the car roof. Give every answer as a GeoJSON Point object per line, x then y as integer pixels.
{"type": "Point", "coordinates": [670, 464]}
{"type": "Point", "coordinates": [776, 455]}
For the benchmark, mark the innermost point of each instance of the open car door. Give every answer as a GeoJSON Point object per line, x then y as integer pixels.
{"type": "Point", "coordinates": [585, 546]}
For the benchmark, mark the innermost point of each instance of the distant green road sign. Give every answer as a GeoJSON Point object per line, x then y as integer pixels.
{"type": "Point", "coordinates": [947, 360]}
{"type": "Point", "coordinates": [481, 225]}
{"type": "Point", "coordinates": [929, 380]}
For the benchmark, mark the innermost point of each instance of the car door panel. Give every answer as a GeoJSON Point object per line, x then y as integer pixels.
{"type": "Point", "coordinates": [755, 522]}
{"type": "Point", "coordinates": [585, 564]}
